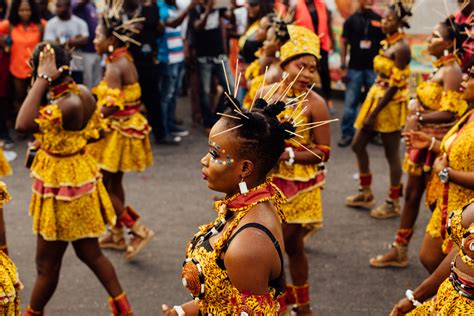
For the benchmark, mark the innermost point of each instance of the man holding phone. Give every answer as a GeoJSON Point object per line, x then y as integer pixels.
{"type": "Point", "coordinates": [362, 35]}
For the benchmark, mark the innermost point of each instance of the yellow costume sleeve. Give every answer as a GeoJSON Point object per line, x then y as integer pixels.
{"type": "Point", "coordinates": [97, 124]}
{"type": "Point", "coordinates": [111, 97]}
{"type": "Point", "coordinates": [452, 101]}
{"type": "Point", "coordinates": [4, 195]}
{"type": "Point", "coordinates": [50, 118]}
{"type": "Point", "coordinates": [399, 77]}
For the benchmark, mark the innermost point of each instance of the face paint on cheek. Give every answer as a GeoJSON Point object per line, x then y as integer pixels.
{"type": "Point", "coordinates": [228, 160]}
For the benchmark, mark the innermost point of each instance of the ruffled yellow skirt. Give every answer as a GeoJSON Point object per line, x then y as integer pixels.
{"type": "Point", "coordinates": [447, 302]}
{"type": "Point", "coordinates": [393, 115]}
{"type": "Point", "coordinates": [305, 208]}
{"type": "Point", "coordinates": [126, 147]}
{"type": "Point", "coordinates": [69, 200]}
{"type": "Point", "coordinates": [10, 287]}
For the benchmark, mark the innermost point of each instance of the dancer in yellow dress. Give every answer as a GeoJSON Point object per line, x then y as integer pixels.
{"type": "Point", "coordinates": [243, 148]}
{"type": "Point", "coordinates": [384, 111]}
{"type": "Point", "coordinates": [10, 284]}
{"type": "Point", "coordinates": [126, 145]}
{"type": "Point", "coordinates": [301, 174]}
{"type": "Point", "coordinates": [70, 203]}
{"type": "Point", "coordinates": [439, 104]}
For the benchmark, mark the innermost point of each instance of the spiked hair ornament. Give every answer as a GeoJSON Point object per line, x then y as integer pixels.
{"type": "Point", "coordinates": [403, 10]}
{"type": "Point", "coordinates": [115, 24]}
{"type": "Point", "coordinates": [271, 106]}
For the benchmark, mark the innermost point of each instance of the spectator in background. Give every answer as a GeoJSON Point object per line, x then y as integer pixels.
{"type": "Point", "coordinates": [208, 40]}
{"type": "Point", "coordinates": [362, 35]}
{"type": "Point", "coordinates": [68, 29]}
{"type": "Point", "coordinates": [86, 10]}
{"type": "Point", "coordinates": [4, 84]}
{"type": "Point", "coordinates": [171, 61]}
{"type": "Point", "coordinates": [43, 8]}
{"type": "Point", "coordinates": [20, 34]}
{"type": "Point", "coordinates": [314, 15]}
{"type": "Point", "coordinates": [252, 40]}
{"type": "Point", "coordinates": [144, 58]}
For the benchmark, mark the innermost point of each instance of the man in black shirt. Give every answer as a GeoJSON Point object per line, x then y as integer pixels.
{"type": "Point", "coordinates": [144, 58]}
{"type": "Point", "coordinates": [208, 42]}
{"type": "Point", "coordinates": [362, 34]}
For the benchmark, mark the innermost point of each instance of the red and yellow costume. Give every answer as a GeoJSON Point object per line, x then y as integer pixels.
{"type": "Point", "coordinates": [69, 200]}
{"type": "Point", "coordinates": [392, 117]}
{"type": "Point", "coordinates": [126, 146]}
{"type": "Point", "coordinates": [10, 284]}
{"type": "Point", "coordinates": [458, 144]}
{"type": "Point", "coordinates": [203, 275]}
{"type": "Point", "coordinates": [456, 294]}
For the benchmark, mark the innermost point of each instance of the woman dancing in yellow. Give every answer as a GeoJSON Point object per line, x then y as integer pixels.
{"type": "Point", "coordinates": [126, 146]}
{"type": "Point", "coordinates": [300, 174]}
{"type": "Point", "coordinates": [384, 111]}
{"type": "Point", "coordinates": [10, 284]}
{"type": "Point", "coordinates": [70, 203]}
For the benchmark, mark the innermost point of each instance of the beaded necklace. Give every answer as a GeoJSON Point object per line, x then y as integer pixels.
{"type": "Point", "coordinates": [440, 62]}
{"type": "Point", "coordinates": [392, 40]}
{"type": "Point", "coordinates": [117, 53]}
{"type": "Point", "coordinates": [69, 86]}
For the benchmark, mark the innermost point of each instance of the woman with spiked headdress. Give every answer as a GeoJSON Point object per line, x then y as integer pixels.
{"type": "Point", "coordinates": [449, 289]}
{"type": "Point", "coordinates": [439, 104]}
{"type": "Point", "coordinates": [69, 202]}
{"type": "Point", "coordinates": [384, 111]}
{"type": "Point", "coordinates": [126, 146]}
{"type": "Point", "coordinates": [300, 173]}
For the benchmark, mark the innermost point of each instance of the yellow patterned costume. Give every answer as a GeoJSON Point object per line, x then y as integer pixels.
{"type": "Point", "coordinates": [126, 146]}
{"type": "Point", "coordinates": [301, 183]}
{"type": "Point", "coordinates": [10, 284]}
{"type": "Point", "coordinates": [392, 117]}
{"type": "Point", "coordinates": [5, 168]}
{"type": "Point", "coordinates": [69, 200]}
{"type": "Point", "coordinates": [455, 295]}
{"type": "Point", "coordinates": [203, 272]}
{"type": "Point", "coordinates": [458, 143]}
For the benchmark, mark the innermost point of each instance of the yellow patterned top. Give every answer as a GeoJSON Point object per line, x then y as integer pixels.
{"type": "Point", "coordinates": [10, 284]}
{"type": "Point", "coordinates": [57, 143]}
{"type": "Point", "coordinates": [208, 281]}
{"type": "Point", "coordinates": [302, 41]}
{"type": "Point", "coordinates": [116, 97]}
{"type": "Point", "coordinates": [462, 237]}
{"type": "Point", "coordinates": [296, 171]}
{"type": "Point", "coordinates": [432, 96]}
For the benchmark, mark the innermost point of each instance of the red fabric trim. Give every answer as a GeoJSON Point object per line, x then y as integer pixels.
{"type": "Point", "coordinates": [290, 188]}
{"type": "Point", "coordinates": [365, 180]}
{"type": "Point", "coordinates": [128, 111]}
{"type": "Point", "coordinates": [251, 197]}
{"type": "Point", "coordinates": [396, 192]}
{"type": "Point", "coordinates": [129, 217]}
{"type": "Point", "coordinates": [63, 192]}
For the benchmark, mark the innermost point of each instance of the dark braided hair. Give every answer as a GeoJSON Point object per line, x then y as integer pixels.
{"type": "Point", "coordinates": [456, 33]}
{"type": "Point", "coordinates": [62, 55]}
{"type": "Point", "coordinates": [402, 11]}
{"type": "Point", "coordinates": [262, 136]}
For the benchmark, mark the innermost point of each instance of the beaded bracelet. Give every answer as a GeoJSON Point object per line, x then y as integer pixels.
{"type": "Point", "coordinates": [411, 297]}
{"type": "Point", "coordinates": [291, 155]}
{"type": "Point", "coordinates": [433, 140]}
{"type": "Point", "coordinates": [45, 77]}
{"type": "Point", "coordinates": [179, 310]}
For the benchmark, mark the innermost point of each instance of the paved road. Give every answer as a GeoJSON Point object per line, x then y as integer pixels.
{"type": "Point", "coordinates": [174, 201]}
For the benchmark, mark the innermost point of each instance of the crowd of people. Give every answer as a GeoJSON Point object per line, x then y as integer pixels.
{"type": "Point", "coordinates": [96, 85]}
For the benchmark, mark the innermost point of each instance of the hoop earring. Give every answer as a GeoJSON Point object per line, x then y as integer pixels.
{"type": "Point", "coordinates": [446, 52]}
{"type": "Point", "coordinates": [243, 187]}
{"type": "Point", "coordinates": [111, 48]}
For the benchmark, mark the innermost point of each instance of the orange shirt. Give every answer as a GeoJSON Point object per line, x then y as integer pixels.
{"type": "Point", "coordinates": [303, 18]}
{"type": "Point", "coordinates": [24, 41]}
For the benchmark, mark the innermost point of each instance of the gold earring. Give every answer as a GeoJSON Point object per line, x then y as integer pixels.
{"type": "Point", "coordinates": [111, 48]}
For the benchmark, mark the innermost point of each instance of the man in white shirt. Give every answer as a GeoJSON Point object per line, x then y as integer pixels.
{"type": "Point", "coordinates": [70, 30]}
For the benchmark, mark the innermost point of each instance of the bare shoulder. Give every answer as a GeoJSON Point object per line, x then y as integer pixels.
{"type": "Point", "coordinates": [318, 107]}
{"type": "Point", "coordinates": [468, 216]}
{"type": "Point", "coordinates": [87, 98]}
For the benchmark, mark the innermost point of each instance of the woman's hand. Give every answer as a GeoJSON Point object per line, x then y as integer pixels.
{"type": "Point", "coordinates": [440, 163]}
{"type": "Point", "coordinates": [403, 307]}
{"type": "Point", "coordinates": [412, 124]}
{"type": "Point", "coordinates": [167, 311]}
{"type": "Point", "coordinates": [417, 140]}
{"type": "Point", "coordinates": [47, 63]}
